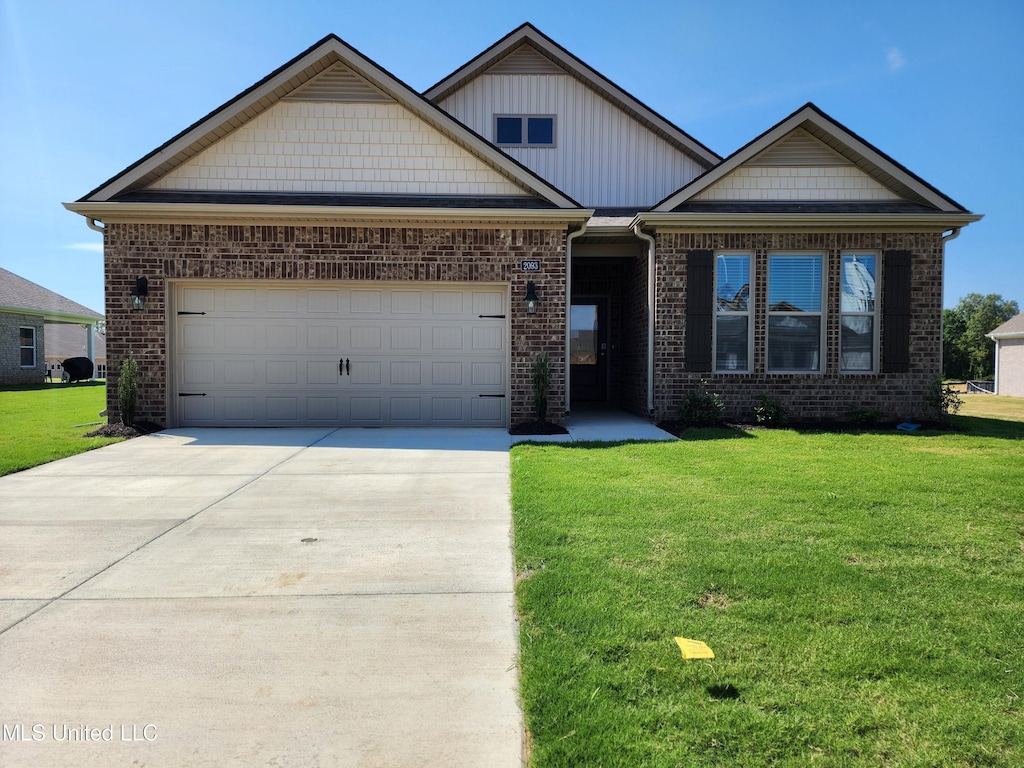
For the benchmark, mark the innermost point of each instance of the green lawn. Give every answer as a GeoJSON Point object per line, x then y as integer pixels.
{"type": "Point", "coordinates": [40, 424]}
{"type": "Point", "coordinates": [863, 594]}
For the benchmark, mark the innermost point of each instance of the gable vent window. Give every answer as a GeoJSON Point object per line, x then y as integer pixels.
{"type": "Point", "coordinates": [524, 130]}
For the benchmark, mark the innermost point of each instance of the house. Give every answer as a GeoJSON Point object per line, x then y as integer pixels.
{"type": "Point", "coordinates": [26, 310]}
{"type": "Point", "coordinates": [64, 341]}
{"type": "Point", "coordinates": [1009, 339]}
{"type": "Point", "coordinates": [331, 247]}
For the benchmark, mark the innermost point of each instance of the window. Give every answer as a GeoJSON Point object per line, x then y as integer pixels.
{"type": "Point", "coordinates": [27, 337]}
{"type": "Point", "coordinates": [857, 308]}
{"type": "Point", "coordinates": [732, 312]}
{"type": "Point", "coordinates": [524, 130]}
{"type": "Point", "coordinates": [795, 312]}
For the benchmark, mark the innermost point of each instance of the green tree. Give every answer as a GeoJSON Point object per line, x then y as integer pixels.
{"type": "Point", "coordinates": [967, 354]}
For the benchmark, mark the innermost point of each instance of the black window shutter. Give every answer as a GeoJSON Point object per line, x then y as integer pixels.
{"type": "Point", "coordinates": [896, 312]}
{"type": "Point", "coordinates": [700, 297]}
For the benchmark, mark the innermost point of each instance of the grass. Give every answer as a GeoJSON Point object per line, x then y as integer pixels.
{"type": "Point", "coordinates": [862, 593]}
{"type": "Point", "coordinates": [48, 422]}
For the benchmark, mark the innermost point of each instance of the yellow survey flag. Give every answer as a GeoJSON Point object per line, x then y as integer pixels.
{"type": "Point", "coordinates": [694, 649]}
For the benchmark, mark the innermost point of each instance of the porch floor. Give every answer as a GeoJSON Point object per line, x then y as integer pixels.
{"type": "Point", "coordinates": [601, 424]}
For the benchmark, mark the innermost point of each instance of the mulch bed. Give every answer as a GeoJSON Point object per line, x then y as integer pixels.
{"type": "Point", "coordinates": [538, 428]}
{"type": "Point", "coordinates": [120, 430]}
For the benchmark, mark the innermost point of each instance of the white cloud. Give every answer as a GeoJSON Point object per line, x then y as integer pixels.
{"type": "Point", "coordinates": [93, 247]}
{"type": "Point", "coordinates": [895, 59]}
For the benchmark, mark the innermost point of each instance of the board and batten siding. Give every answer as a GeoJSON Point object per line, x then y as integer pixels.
{"type": "Point", "coordinates": [338, 147]}
{"type": "Point", "coordinates": [602, 155]}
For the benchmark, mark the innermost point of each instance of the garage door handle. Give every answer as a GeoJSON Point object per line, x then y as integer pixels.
{"type": "Point", "coordinates": [348, 369]}
{"type": "Point", "coordinates": [341, 366]}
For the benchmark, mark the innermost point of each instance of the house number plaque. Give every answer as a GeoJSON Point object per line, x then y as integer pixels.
{"type": "Point", "coordinates": [531, 265]}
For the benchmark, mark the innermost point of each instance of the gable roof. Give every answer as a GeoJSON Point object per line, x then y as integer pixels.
{"type": "Point", "coordinates": [1011, 329]}
{"type": "Point", "coordinates": [832, 139]}
{"type": "Point", "coordinates": [361, 76]}
{"type": "Point", "coordinates": [20, 295]}
{"type": "Point", "coordinates": [533, 51]}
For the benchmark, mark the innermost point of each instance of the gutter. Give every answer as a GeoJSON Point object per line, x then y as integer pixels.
{"type": "Point", "coordinates": [837, 222]}
{"type": "Point", "coordinates": [651, 264]}
{"type": "Point", "coordinates": [568, 307]}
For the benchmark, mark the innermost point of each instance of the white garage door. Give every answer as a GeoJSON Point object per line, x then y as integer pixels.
{"type": "Point", "coordinates": [273, 354]}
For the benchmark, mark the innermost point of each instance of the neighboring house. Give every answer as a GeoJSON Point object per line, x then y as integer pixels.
{"type": "Point", "coordinates": [332, 248]}
{"type": "Point", "coordinates": [1009, 339]}
{"type": "Point", "coordinates": [64, 341]}
{"type": "Point", "coordinates": [26, 309]}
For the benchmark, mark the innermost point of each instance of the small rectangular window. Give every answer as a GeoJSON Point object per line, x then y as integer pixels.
{"type": "Point", "coordinates": [732, 312]}
{"type": "Point", "coordinates": [795, 324]}
{"type": "Point", "coordinates": [524, 130]}
{"type": "Point", "coordinates": [857, 342]}
{"type": "Point", "coordinates": [27, 338]}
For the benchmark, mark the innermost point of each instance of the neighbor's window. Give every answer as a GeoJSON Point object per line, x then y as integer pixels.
{"type": "Point", "coordinates": [732, 312]}
{"type": "Point", "coordinates": [857, 305]}
{"type": "Point", "coordinates": [524, 130]}
{"type": "Point", "coordinates": [795, 312]}
{"type": "Point", "coordinates": [28, 347]}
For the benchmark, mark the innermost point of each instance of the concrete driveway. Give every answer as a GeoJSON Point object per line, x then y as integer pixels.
{"type": "Point", "coordinates": [297, 597]}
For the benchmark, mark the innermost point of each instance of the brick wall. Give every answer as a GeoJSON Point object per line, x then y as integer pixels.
{"type": "Point", "coordinates": [11, 371]}
{"type": "Point", "coordinates": [162, 252]}
{"type": "Point", "coordinates": [818, 396]}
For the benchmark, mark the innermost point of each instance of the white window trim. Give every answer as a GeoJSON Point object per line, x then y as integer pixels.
{"type": "Point", "coordinates": [749, 314]}
{"type": "Point", "coordinates": [525, 134]}
{"type": "Point", "coordinates": [34, 347]}
{"type": "Point", "coordinates": [876, 326]}
{"type": "Point", "coordinates": [822, 313]}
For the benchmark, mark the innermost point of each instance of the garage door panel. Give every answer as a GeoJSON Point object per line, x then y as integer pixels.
{"type": "Point", "coordinates": [270, 355]}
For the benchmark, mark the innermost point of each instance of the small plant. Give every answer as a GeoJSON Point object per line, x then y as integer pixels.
{"type": "Point", "coordinates": [701, 408]}
{"type": "Point", "coordinates": [541, 385]}
{"type": "Point", "coordinates": [942, 398]}
{"type": "Point", "coordinates": [128, 389]}
{"type": "Point", "coordinates": [770, 412]}
{"type": "Point", "coordinates": [863, 417]}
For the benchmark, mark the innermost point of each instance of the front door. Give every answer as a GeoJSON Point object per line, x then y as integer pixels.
{"type": "Point", "coordinates": [588, 350]}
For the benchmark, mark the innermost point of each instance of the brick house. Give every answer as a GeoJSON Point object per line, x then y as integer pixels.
{"type": "Point", "coordinates": [1009, 339]}
{"type": "Point", "coordinates": [332, 247]}
{"type": "Point", "coordinates": [27, 310]}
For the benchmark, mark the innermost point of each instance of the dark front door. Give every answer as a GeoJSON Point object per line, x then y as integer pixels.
{"type": "Point", "coordinates": [588, 350]}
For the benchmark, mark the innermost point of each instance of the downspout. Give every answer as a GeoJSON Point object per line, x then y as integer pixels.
{"type": "Point", "coordinates": [91, 224]}
{"type": "Point", "coordinates": [650, 314]}
{"type": "Point", "coordinates": [954, 233]}
{"type": "Point", "coordinates": [568, 306]}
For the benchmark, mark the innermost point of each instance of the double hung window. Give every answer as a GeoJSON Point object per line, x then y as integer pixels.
{"type": "Point", "coordinates": [27, 340]}
{"type": "Point", "coordinates": [732, 312]}
{"type": "Point", "coordinates": [795, 312]}
{"type": "Point", "coordinates": [857, 307]}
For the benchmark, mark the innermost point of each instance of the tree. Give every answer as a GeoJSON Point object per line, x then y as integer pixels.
{"type": "Point", "coordinates": [966, 353]}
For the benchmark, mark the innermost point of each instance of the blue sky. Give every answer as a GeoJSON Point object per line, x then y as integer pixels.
{"type": "Point", "coordinates": [86, 89]}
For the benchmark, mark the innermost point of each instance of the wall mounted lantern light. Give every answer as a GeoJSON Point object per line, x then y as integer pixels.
{"type": "Point", "coordinates": [139, 294]}
{"type": "Point", "coordinates": [532, 299]}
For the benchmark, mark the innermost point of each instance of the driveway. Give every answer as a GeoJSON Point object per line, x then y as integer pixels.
{"type": "Point", "coordinates": [294, 597]}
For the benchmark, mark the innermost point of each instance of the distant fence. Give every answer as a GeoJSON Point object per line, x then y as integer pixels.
{"type": "Point", "coordinates": [981, 387]}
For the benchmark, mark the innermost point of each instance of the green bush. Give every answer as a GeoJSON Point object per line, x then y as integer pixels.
{"type": "Point", "coordinates": [128, 389]}
{"type": "Point", "coordinates": [863, 417]}
{"type": "Point", "coordinates": [701, 408]}
{"type": "Point", "coordinates": [943, 399]}
{"type": "Point", "coordinates": [541, 385]}
{"type": "Point", "coordinates": [770, 412]}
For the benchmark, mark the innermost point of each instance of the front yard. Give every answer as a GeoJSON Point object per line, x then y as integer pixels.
{"type": "Point", "coordinates": [48, 422]}
{"type": "Point", "coordinates": [862, 593]}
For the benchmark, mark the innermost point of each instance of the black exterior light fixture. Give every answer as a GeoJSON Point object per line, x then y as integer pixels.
{"type": "Point", "coordinates": [139, 294]}
{"type": "Point", "coordinates": [532, 299]}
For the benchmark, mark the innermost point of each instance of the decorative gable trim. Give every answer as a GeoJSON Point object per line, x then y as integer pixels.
{"type": "Point", "coordinates": [799, 148]}
{"type": "Point", "coordinates": [285, 81]}
{"type": "Point", "coordinates": [339, 83]}
{"type": "Point", "coordinates": [811, 120]}
{"type": "Point", "coordinates": [525, 60]}
{"type": "Point", "coordinates": [527, 34]}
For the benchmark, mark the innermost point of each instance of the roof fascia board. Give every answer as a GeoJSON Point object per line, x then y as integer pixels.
{"type": "Point", "coordinates": [593, 78]}
{"type": "Point", "coordinates": [1007, 335]}
{"type": "Point", "coordinates": [833, 222]}
{"type": "Point", "coordinates": [53, 315]}
{"type": "Point", "coordinates": [124, 213]}
{"type": "Point", "coordinates": [810, 114]}
{"type": "Point", "coordinates": [333, 48]}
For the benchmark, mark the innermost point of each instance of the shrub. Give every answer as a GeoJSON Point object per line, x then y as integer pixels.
{"type": "Point", "coordinates": [128, 389]}
{"type": "Point", "coordinates": [770, 412]}
{"type": "Point", "coordinates": [541, 384]}
{"type": "Point", "coordinates": [701, 408]}
{"type": "Point", "coordinates": [943, 399]}
{"type": "Point", "coordinates": [863, 417]}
